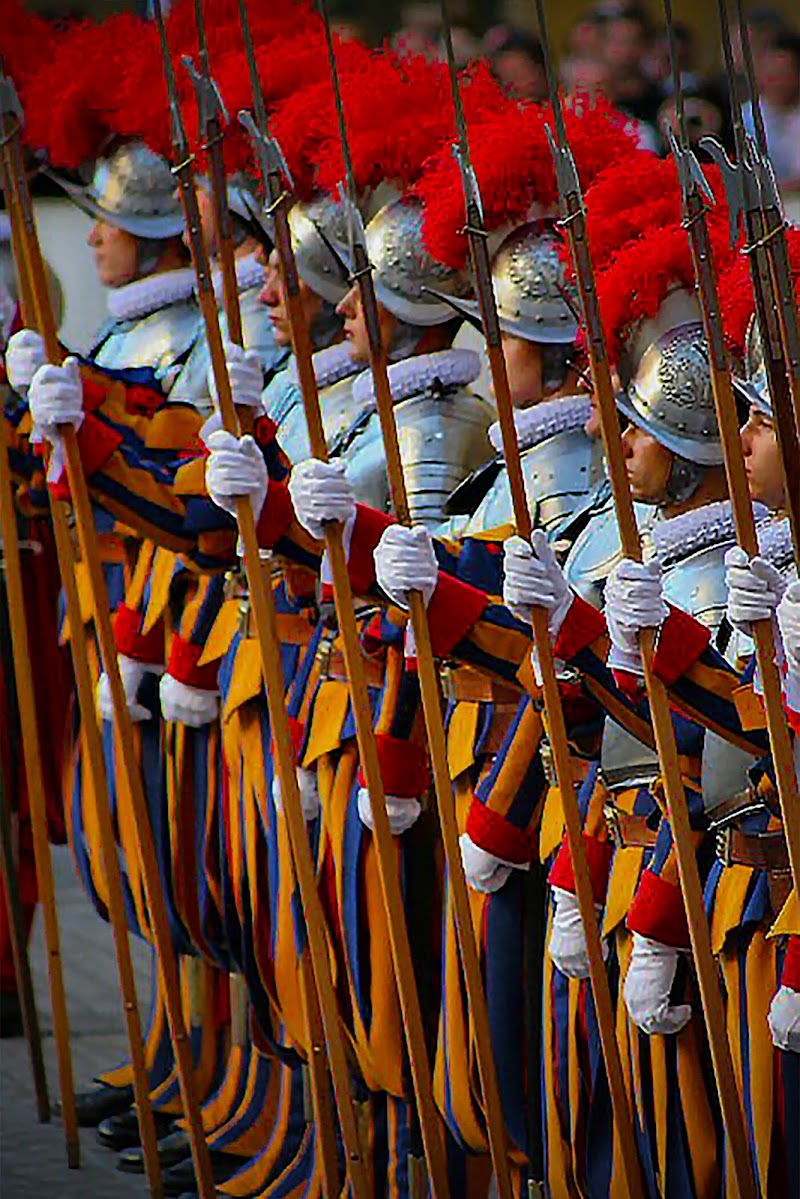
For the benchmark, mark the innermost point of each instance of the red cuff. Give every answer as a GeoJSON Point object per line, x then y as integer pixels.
{"type": "Point", "coordinates": [791, 965]}
{"type": "Point", "coordinates": [494, 834]}
{"type": "Point", "coordinates": [794, 719]}
{"type": "Point", "coordinates": [97, 442]}
{"type": "Point", "coordinates": [454, 608]}
{"type": "Point", "coordinates": [582, 625]}
{"type": "Point", "coordinates": [367, 532]}
{"type": "Point", "coordinates": [598, 856]}
{"type": "Point", "coordinates": [183, 658]}
{"type": "Point", "coordinates": [276, 515]}
{"type": "Point", "coordinates": [681, 641]}
{"type": "Point", "coordinates": [404, 767]}
{"type": "Point", "coordinates": [297, 731]}
{"type": "Point", "coordinates": [142, 647]}
{"type": "Point", "coordinates": [657, 912]}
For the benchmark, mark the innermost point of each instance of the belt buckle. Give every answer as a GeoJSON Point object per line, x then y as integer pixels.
{"type": "Point", "coordinates": [548, 763]}
{"type": "Point", "coordinates": [724, 844]}
{"type": "Point", "coordinates": [447, 677]}
{"type": "Point", "coordinates": [323, 656]}
{"type": "Point", "coordinates": [612, 820]}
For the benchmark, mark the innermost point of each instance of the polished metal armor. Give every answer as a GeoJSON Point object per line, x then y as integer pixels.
{"type": "Point", "coordinates": [670, 396]}
{"type": "Point", "coordinates": [442, 429]}
{"type": "Point", "coordinates": [530, 285]}
{"type": "Point", "coordinates": [406, 276]}
{"type": "Point", "coordinates": [595, 548]}
{"type": "Point", "coordinates": [161, 339]}
{"type": "Point", "coordinates": [335, 371]}
{"type": "Point", "coordinates": [133, 189]}
{"type": "Point", "coordinates": [559, 472]}
{"type": "Point", "coordinates": [320, 237]}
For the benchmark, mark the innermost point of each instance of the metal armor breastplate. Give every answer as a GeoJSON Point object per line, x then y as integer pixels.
{"type": "Point", "coordinates": [697, 584]}
{"type": "Point", "coordinates": [558, 476]}
{"type": "Point", "coordinates": [442, 438]}
{"type": "Point", "coordinates": [162, 341]}
{"type": "Point", "coordinates": [339, 411]}
{"type": "Point", "coordinates": [596, 549]}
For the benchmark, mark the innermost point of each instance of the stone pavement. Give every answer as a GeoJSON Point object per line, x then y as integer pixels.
{"type": "Point", "coordinates": [32, 1155]}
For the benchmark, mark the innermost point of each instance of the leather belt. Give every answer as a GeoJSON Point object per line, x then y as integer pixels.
{"type": "Point", "coordinates": [334, 668]}
{"type": "Point", "coordinates": [761, 851]}
{"type": "Point", "coordinates": [579, 767]}
{"type": "Point", "coordinates": [464, 683]}
{"type": "Point", "coordinates": [629, 831]}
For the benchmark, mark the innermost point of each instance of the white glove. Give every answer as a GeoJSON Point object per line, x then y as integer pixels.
{"type": "Point", "coordinates": [245, 374]}
{"type": "Point", "coordinates": [789, 623]}
{"type": "Point", "coordinates": [484, 871]}
{"type": "Point", "coordinates": [309, 793]}
{"type": "Point", "coordinates": [55, 397]}
{"type": "Point", "coordinates": [321, 491]}
{"type": "Point", "coordinates": [193, 706]}
{"type": "Point", "coordinates": [132, 674]}
{"type": "Point", "coordinates": [784, 1019]}
{"type": "Point", "coordinates": [633, 601]}
{"type": "Point", "coordinates": [647, 987]}
{"type": "Point", "coordinates": [567, 945]}
{"type": "Point", "coordinates": [235, 468]}
{"type": "Point", "coordinates": [533, 578]}
{"type": "Point", "coordinates": [405, 561]}
{"type": "Point", "coordinates": [402, 813]}
{"type": "Point", "coordinates": [754, 589]}
{"type": "Point", "coordinates": [25, 353]}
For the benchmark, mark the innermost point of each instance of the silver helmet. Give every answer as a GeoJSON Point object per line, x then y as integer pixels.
{"type": "Point", "coordinates": [409, 280]}
{"type": "Point", "coordinates": [133, 189]}
{"type": "Point", "coordinates": [670, 396]}
{"type": "Point", "coordinates": [319, 238]}
{"type": "Point", "coordinates": [535, 300]}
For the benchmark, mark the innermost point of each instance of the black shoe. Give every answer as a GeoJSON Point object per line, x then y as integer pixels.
{"type": "Point", "coordinates": [180, 1180]}
{"type": "Point", "coordinates": [122, 1132]}
{"type": "Point", "coordinates": [172, 1149]}
{"type": "Point", "coordinates": [11, 1024]}
{"type": "Point", "coordinates": [101, 1102]}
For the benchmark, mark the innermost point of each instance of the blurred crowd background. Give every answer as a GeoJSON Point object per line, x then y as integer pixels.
{"type": "Point", "coordinates": [615, 47]}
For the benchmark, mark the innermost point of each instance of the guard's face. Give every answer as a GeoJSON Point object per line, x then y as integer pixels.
{"type": "Point", "coordinates": [355, 327]}
{"type": "Point", "coordinates": [115, 254]}
{"type": "Point", "coordinates": [648, 464]}
{"type": "Point", "coordinates": [762, 460]}
{"type": "Point", "coordinates": [272, 294]}
{"type": "Point", "coordinates": [524, 370]}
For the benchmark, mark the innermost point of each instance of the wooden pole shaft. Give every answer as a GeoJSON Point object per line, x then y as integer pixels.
{"type": "Point", "coordinates": [556, 726]}
{"type": "Point", "coordinates": [19, 939]}
{"type": "Point", "coordinates": [677, 809]}
{"type": "Point", "coordinates": [30, 733]}
{"type": "Point", "coordinates": [36, 797]}
{"type": "Point", "coordinates": [365, 734]}
{"type": "Point", "coordinates": [744, 520]}
{"type": "Point", "coordinates": [131, 783]}
{"type": "Point", "coordinates": [437, 749]}
{"type": "Point", "coordinates": [265, 618]}
{"type": "Point", "coordinates": [94, 752]}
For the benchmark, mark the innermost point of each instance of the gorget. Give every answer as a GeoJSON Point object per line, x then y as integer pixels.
{"type": "Point", "coordinates": [334, 370]}
{"type": "Point", "coordinates": [559, 466]}
{"type": "Point", "coordinates": [155, 323]}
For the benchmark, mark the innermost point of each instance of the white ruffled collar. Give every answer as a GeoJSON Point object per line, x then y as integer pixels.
{"type": "Point", "coordinates": [331, 365]}
{"type": "Point", "coordinates": [677, 538]}
{"type": "Point", "coordinates": [420, 373]}
{"type": "Point", "coordinates": [543, 421]}
{"type": "Point", "coordinates": [249, 273]}
{"type": "Point", "coordinates": [775, 542]}
{"type": "Point", "coordinates": [145, 296]}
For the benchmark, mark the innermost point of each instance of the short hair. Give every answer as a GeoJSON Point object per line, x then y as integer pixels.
{"type": "Point", "coordinates": [787, 43]}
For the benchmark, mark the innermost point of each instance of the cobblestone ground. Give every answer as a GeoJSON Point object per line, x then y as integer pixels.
{"type": "Point", "coordinates": [32, 1155]}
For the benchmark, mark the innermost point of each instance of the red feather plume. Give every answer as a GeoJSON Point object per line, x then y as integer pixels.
{"type": "Point", "coordinates": [514, 168]}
